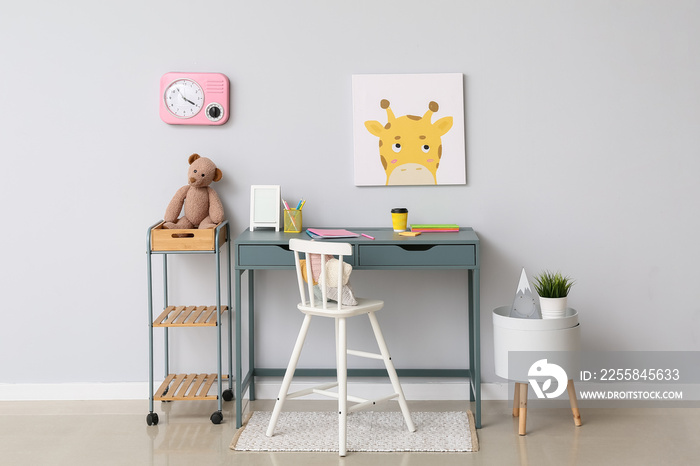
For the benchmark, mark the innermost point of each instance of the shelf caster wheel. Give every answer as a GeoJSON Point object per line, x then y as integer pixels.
{"type": "Point", "coordinates": [217, 417]}
{"type": "Point", "coordinates": [227, 395]}
{"type": "Point", "coordinates": [152, 419]}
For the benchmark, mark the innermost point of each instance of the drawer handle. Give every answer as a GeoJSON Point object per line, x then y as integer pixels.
{"type": "Point", "coordinates": [283, 246]}
{"type": "Point", "coordinates": [182, 235]}
{"type": "Point", "coordinates": [416, 247]}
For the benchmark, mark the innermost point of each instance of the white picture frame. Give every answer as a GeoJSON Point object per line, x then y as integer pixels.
{"type": "Point", "coordinates": [265, 207]}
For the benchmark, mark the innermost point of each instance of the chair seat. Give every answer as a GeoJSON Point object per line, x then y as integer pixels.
{"type": "Point", "coordinates": [363, 306]}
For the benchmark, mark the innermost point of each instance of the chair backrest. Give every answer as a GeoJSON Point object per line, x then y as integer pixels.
{"type": "Point", "coordinates": [323, 249]}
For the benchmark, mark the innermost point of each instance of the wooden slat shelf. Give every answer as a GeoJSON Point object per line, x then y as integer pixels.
{"type": "Point", "coordinates": [186, 387]}
{"type": "Point", "coordinates": [188, 316]}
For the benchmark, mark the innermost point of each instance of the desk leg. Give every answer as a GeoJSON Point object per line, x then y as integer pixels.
{"type": "Point", "coordinates": [470, 334]}
{"type": "Point", "coordinates": [239, 370]}
{"type": "Point", "coordinates": [475, 342]}
{"type": "Point", "coordinates": [251, 333]}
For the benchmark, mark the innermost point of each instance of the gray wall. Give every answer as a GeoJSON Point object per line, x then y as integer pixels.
{"type": "Point", "coordinates": [583, 153]}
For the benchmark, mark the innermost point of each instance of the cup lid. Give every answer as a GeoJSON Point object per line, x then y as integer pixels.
{"type": "Point", "coordinates": [399, 210]}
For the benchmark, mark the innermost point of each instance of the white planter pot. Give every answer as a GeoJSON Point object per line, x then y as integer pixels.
{"type": "Point", "coordinates": [512, 334]}
{"type": "Point", "coordinates": [553, 308]}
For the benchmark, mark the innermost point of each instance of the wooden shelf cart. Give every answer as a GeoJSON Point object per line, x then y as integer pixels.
{"type": "Point", "coordinates": [160, 241]}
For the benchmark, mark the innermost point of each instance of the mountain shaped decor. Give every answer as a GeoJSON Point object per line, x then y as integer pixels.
{"type": "Point", "coordinates": [526, 304]}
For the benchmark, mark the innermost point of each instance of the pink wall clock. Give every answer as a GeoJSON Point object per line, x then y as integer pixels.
{"type": "Point", "coordinates": [194, 98]}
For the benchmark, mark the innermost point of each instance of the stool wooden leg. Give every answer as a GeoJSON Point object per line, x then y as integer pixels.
{"type": "Point", "coordinates": [516, 399]}
{"type": "Point", "coordinates": [574, 403]}
{"type": "Point", "coordinates": [523, 408]}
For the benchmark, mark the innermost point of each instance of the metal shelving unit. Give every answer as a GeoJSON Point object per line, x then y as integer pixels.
{"type": "Point", "coordinates": [165, 242]}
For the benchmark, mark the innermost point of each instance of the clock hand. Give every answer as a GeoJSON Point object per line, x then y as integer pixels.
{"type": "Point", "coordinates": [185, 98]}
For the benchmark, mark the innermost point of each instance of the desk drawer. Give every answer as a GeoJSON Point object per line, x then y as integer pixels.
{"type": "Point", "coordinates": [417, 255]}
{"type": "Point", "coordinates": [265, 256]}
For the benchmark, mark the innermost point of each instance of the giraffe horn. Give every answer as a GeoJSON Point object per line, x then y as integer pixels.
{"type": "Point", "coordinates": [389, 114]}
{"type": "Point", "coordinates": [432, 108]}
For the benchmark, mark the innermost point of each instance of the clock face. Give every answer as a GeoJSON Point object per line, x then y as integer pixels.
{"type": "Point", "coordinates": [184, 98]}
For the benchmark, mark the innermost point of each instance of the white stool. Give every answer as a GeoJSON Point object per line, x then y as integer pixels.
{"type": "Point", "coordinates": [559, 336]}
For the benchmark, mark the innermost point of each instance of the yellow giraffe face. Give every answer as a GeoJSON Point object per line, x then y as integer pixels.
{"type": "Point", "coordinates": [410, 146]}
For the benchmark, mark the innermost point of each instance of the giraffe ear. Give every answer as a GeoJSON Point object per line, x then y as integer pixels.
{"type": "Point", "coordinates": [443, 125]}
{"type": "Point", "coordinates": [374, 127]}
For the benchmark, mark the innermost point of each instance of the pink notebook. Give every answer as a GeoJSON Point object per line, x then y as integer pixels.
{"type": "Point", "coordinates": [325, 233]}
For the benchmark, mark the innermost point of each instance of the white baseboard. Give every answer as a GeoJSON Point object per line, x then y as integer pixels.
{"type": "Point", "coordinates": [266, 388]}
{"type": "Point", "coordinates": [74, 391]}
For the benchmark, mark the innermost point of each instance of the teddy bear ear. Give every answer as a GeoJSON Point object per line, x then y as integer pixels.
{"type": "Point", "coordinates": [218, 175]}
{"type": "Point", "coordinates": [193, 157]}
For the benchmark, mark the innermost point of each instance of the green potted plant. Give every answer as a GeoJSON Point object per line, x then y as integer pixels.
{"type": "Point", "coordinates": [553, 288]}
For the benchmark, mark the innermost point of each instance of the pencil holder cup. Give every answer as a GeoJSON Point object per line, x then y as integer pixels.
{"type": "Point", "coordinates": [292, 221]}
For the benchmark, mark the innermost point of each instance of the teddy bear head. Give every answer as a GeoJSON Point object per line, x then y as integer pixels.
{"type": "Point", "coordinates": [202, 172]}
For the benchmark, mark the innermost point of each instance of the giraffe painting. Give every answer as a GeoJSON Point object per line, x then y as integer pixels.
{"type": "Point", "coordinates": [410, 146]}
{"type": "Point", "coordinates": [408, 129]}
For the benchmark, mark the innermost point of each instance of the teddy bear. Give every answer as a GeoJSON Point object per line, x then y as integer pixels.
{"type": "Point", "coordinates": [203, 208]}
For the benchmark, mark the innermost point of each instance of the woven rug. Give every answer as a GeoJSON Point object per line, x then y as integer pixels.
{"type": "Point", "coordinates": [367, 431]}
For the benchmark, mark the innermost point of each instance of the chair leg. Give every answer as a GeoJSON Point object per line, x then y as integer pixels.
{"type": "Point", "coordinates": [393, 376]}
{"type": "Point", "coordinates": [516, 400]}
{"type": "Point", "coordinates": [523, 409]}
{"type": "Point", "coordinates": [574, 403]}
{"type": "Point", "coordinates": [337, 340]}
{"type": "Point", "coordinates": [342, 369]}
{"type": "Point", "coordinates": [289, 374]}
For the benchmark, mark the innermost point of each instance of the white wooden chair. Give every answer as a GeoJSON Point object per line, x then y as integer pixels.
{"type": "Point", "coordinates": [311, 307]}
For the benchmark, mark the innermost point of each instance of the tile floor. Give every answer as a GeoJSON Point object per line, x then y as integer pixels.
{"type": "Point", "coordinates": [115, 433]}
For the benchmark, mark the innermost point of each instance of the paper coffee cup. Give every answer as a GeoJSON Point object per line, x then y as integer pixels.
{"type": "Point", "coordinates": [399, 218]}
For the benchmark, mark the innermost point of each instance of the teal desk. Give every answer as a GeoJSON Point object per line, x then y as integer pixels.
{"type": "Point", "coordinates": [268, 250]}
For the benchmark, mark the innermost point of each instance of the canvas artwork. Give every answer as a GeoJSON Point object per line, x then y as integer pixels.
{"type": "Point", "coordinates": [408, 129]}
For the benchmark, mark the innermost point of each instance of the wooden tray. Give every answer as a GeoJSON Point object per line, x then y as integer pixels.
{"type": "Point", "coordinates": [163, 239]}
